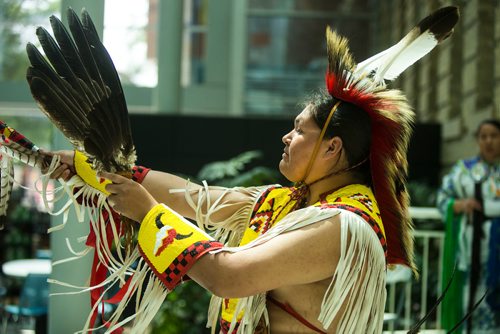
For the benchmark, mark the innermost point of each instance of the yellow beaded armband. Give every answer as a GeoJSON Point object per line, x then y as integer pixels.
{"type": "Point", "coordinates": [171, 244]}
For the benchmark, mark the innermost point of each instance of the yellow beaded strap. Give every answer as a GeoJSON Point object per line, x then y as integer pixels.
{"type": "Point", "coordinates": [88, 174]}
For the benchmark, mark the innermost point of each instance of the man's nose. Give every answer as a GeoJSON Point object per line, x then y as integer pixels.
{"type": "Point", "coordinates": [285, 138]}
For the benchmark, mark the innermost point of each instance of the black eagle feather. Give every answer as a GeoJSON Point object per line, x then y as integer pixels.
{"type": "Point", "coordinates": [78, 88]}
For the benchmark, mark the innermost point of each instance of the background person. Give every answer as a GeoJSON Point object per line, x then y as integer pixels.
{"type": "Point", "coordinates": [469, 199]}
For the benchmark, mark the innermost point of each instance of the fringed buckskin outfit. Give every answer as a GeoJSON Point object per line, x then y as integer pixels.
{"type": "Point", "coordinates": [362, 258]}
{"type": "Point", "coordinates": [375, 222]}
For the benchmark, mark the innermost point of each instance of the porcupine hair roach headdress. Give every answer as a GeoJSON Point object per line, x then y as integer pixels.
{"type": "Point", "coordinates": [391, 117]}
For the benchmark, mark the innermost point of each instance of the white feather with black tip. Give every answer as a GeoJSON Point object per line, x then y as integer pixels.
{"type": "Point", "coordinates": [429, 32]}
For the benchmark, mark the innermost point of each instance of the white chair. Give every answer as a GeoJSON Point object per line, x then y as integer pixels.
{"type": "Point", "coordinates": [398, 281]}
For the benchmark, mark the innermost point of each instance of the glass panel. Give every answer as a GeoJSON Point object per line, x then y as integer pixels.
{"type": "Point", "coordinates": [197, 10]}
{"type": "Point", "coordinates": [193, 63]}
{"type": "Point", "coordinates": [194, 42]}
{"type": "Point", "coordinates": [130, 38]}
{"type": "Point", "coordinates": [18, 22]}
{"type": "Point", "coordinates": [316, 5]}
{"type": "Point", "coordinates": [286, 59]}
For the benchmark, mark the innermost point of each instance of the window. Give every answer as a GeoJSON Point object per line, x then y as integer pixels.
{"type": "Point", "coordinates": [194, 42]}
{"type": "Point", "coordinates": [32, 124]}
{"type": "Point", "coordinates": [286, 50]}
{"type": "Point", "coordinates": [130, 38]}
{"type": "Point", "coordinates": [15, 16]}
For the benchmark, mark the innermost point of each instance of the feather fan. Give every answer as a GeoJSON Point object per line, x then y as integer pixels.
{"type": "Point", "coordinates": [79, 90]}
{"type": "Point", "coordinates": [429, 32]}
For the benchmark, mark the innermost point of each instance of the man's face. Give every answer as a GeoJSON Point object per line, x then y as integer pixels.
{"type": "Point", "coordinates": [489, 142]}
{"type": "Point", "coordinates": [299, 144]}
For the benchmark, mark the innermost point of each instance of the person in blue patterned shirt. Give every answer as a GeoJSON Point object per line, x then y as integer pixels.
{"type": "Point", "coordinates": [469, 200]}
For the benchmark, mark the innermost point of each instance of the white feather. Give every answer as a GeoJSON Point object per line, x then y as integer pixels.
{"type": "Point", "coordinates": [390, 63]}
{"type": "Point", "coordinates": [429, 32]}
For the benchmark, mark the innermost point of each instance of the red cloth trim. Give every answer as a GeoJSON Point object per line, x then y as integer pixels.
{"type": "Point", "coordinates": [139, 173]}
{"type": "Point", "coordinates": [99, 270]}
{"type": "Point", "coordinates": [225, 325]}
{"type": "Point", "coordinates": [288, 309]}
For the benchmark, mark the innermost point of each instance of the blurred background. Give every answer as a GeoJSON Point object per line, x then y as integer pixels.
{"type": "Point", "coordinates": [212, 86]}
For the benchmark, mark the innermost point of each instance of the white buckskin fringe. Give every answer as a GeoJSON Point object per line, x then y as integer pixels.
{"type": "Point", "coordinates": [230, 230]}
{"type": "Point", "coordinates": [148, 301]}
{"type": "Point", "coordinates": [11, 151]}
{"type": "Point", "coordinates": [360, 314]}
{"type": "Point", "coordinates": [358, 285]}
{"type": "Point", "coordinates": [255, 306]}
{"type": "Point", "coordinates": [118, 261]}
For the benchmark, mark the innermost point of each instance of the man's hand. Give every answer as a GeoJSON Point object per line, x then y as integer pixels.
{"type": "Point", "coordinates": [127, 197]}
{"type": "Point", "coordinates": [67, 169]}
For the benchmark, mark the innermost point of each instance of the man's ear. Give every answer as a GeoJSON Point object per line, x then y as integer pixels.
{"type": "Point", "coordinates": [334, 147]}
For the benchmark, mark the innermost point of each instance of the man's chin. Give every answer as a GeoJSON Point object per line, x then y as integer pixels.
{"type": "Point", "coordinates": [281, 165]}
{"type": "Point", "coordinates": [282, 168]}
{"type": "Point", "coordinates": [283, 171]}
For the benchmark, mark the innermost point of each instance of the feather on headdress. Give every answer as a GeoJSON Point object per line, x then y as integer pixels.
{"type": "Point", "coordinates": [429, 32]}
{"type": "Point", "coordinates": [391, 117]}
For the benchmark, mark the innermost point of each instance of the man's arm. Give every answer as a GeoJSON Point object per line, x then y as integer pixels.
{"type": "Point", "coordinates": [302, 256]}
{"type": "Point", "coordinates": [159, 184]}
{"type": "Point", "coordinates": [173, 248]}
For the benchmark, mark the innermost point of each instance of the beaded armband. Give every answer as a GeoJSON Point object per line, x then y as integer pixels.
{"type": "Point", "coordinates": [171, 244]}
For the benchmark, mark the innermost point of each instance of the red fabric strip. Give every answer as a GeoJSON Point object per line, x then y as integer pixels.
{"type": "Point", "coordinates": [288, 309]}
